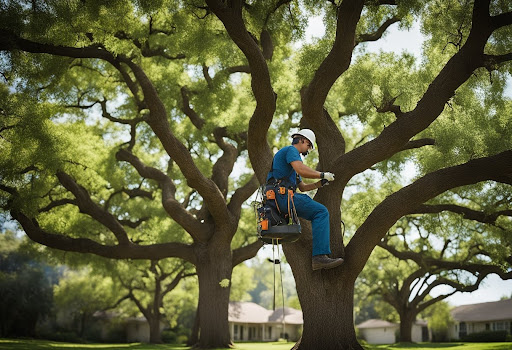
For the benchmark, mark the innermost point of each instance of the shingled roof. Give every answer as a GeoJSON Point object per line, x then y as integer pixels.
{"type": "Point", "coordinates": [247, 312]}
{"type": "Point", "coordinates": [493, 311]}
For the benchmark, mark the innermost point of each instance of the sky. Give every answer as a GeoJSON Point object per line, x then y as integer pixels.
{"type": "Point", "coordinates": [395, 40]}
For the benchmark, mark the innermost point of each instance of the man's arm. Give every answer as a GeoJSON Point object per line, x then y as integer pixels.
{"type": "Point", "coordinates": [308, 187]}
{"type": "Point", "coordinates": [305, 171]}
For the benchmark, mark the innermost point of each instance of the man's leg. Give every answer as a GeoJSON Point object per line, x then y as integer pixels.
{"type": "Point", "coordinates": [318, 214]}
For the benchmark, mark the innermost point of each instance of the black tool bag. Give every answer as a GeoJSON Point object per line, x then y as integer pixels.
{"type": "Point", "coordinates": [274, 222]}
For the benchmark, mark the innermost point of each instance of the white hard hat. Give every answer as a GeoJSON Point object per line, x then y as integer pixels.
{"type": "Point", "coordinates": [307, 133]}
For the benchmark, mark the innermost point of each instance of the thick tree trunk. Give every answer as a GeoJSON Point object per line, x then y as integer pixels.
{"type": "Point", "coordinates": [194, 334]}
{"type": "Point", "coordinates": [326, 296]}
{"type": "Point", "coordinates": [214, 270]}
{"type": "Point", "coordinates": [327, 299]}
{"type": "Point", "coordinates": [328, 315]}
{"type": "Point", "coordinates": [406, 320]}
{"type": "Point", "coordinates": [83, 320]}
{"type": "Point", "coordinates": [155, 336]}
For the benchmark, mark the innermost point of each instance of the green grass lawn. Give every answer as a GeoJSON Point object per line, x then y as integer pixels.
{"type": "Point", "coordinates": [52, 345]}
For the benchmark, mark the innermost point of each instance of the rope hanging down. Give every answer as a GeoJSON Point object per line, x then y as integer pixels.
{"type": "Point", "coordinates": [278, 262]}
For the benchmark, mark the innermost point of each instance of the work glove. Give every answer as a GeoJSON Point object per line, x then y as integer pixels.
{"type": "Point", "coordinates": [327, 176]}
{"type": "Point", "coordinates": [324, 182]}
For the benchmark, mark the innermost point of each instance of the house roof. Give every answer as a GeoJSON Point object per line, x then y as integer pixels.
{"type": "Point", "coordinates": [373, 323]}
{"type": "Point", "coordinates": [248, 312]}
{"type": "Point", "coordinates": [291, 316]}
{"type": "Point", "coordinates": [492, 311]}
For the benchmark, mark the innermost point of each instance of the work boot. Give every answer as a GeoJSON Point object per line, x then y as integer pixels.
{"type": "Point", "coordinates": [324, 262]}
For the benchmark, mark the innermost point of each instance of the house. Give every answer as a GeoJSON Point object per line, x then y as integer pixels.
{"type": "Point", "coordinates": [475, 318]}
{"type": "Point", "coordinates": [252, 322]}
{"type": "Point", "coordinates": [384, 332]}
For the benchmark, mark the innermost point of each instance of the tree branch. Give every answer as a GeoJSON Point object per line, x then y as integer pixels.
{"type": "Point", "coordinates": [189, 112]}
{"type": "Point", "coordinates": [134, 224]}
{"type": "Point", "coordinates": [58, 203]}
{"type": "Point", "coordinates": [224, 165]}
{"type": "Point", "coordinates": [7, 189]}
{"type": "Point", "coordinates": [492, 62]}
{"type": "Point", "coordinates": [157, 118]}
{"type": "Point", "coordinates": [466, 213]}
{"type": "Point", "coordinates": [245, 253]}
{"type": "Point", "coordinates": [87, 206]}
{"type": "Point", "coordinates": [85, 245]}
{"type": "Point", "coordinates": [238, 69]}
{"type": "Point", "coordinates": [241, 195]}
{"type": "Point", "coordinates": [146, 50]}
{"type": "Point", "coordinates": [175, 281]}
{"type": "Point", "coordinates": [433, 263]}
{"type": "Point", "coordinates": [314, 95]}
{"type": "Point", "coordinates": [379, 32]}
{"type": "Point", "coordinates": [159, 123]}
{"type": "Point", "coordinates": [455, 72]}
{"type": "Point", "coordinates": [387, 213]}
{"type": "Point", "coordinates": [169, 202]}
{"type": "Point", "coordinates": [501, 20]}
{"type": "Point", "coordinates": [107, 115]}
{"type": "Point", "coordinates": [418, 143]}
{"type": "Point", "coordinates": [137, 192]}
{"type": "Point", "coordinates": [259, 151]}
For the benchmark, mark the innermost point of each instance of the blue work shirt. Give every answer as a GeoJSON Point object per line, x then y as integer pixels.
{"type": "Point", "coordinates": [281, 167]}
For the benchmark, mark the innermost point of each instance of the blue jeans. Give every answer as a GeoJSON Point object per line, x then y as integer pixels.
{"type": "Point", "coordinates": [315, 212]}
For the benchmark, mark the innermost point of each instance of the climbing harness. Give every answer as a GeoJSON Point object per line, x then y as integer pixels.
{"type": "Point", "coordinates": [274, 223]}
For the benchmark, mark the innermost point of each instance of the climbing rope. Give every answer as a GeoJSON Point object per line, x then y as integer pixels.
{"type": "Point", "coordinates": [276, 262]}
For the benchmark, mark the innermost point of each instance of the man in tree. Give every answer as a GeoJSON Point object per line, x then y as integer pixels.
{"type": "Point", "coordinates": [285, 175]}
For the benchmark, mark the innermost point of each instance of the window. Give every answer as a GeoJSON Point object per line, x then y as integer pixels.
{"type": "Point", "coordinates": [462, 330]}
{"type": "Point", "coordinates": [498, 326]}
{"type": "Point", "coordinates": [487, 327]}
{"type": "Point", "coordinates": [269, 332]}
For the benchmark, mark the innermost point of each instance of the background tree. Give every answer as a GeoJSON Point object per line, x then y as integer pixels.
{"type": "Point", "coordinates": [79, 294]}
{"type": "Point", "coordinates": [25, 289]}
{"type": "Point", "coordinates": [407, 284]}
{"type": "Point", "coordinates": [143, 182]}
{"type": "Point", "coordinates": [147, 286]}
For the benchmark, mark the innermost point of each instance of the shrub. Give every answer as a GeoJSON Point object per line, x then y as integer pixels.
{"type": "Point", "coordinates": [486, 337]}
{"type": "Point", "coordinates": [182, 339]}
{"type": "Point", "coordinates": [169, 337]}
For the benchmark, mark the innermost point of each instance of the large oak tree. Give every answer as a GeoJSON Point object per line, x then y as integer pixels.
{"type": "Point", "coordinates": [143, 183]}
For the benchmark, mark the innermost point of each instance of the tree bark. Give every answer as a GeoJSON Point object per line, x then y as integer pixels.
{"type": "Point", "coordinates": [155, 336]}
{"type": "Point", "coordinates": [213, 269]}
{"type": "Point", "coordinates": [194, 333]}
{"type": "Point", "coordinates": [327, 302]}
{"type": "Point", "coordinates": [407, 318]}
